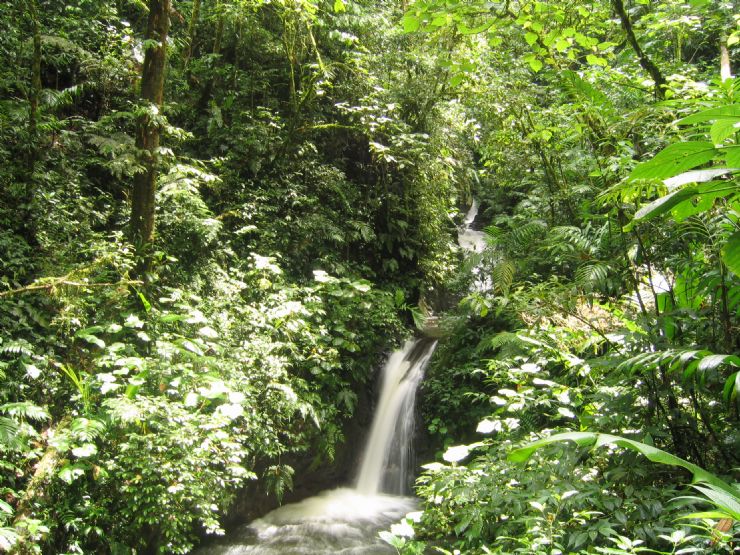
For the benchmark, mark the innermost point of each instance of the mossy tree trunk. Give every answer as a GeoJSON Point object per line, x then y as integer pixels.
{"type": "Point", "coordinates": [148, 130]}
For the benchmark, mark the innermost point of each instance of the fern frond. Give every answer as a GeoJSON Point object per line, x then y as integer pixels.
{"type": "Point", "coordinates": [19, 347]}
{"type": "Point", "coordinates": [503, 276]}
{"type": "Point", "coordinates": [25, 410]}
{"type": "Point", "coordinates": [695, 365]}
{"type": "Point", "coordinates": [574, 237]}
{"type": "Point", "coordinates": [87, 429]}
{"type": "Point", "coordinates": [591, 275]}
{"type": "Point", "coordinates": [8, 432]}
{"type": "Point", "coordinates": [522, 236]}
{"type": "Point", "coordinates": [57, 100]}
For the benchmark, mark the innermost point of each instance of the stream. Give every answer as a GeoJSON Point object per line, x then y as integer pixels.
{"type": "Point", "coordinates": [347, 520]}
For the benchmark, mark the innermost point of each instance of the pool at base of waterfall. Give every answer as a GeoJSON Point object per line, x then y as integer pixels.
{"type": "Point", "coordinates": [341, 521]}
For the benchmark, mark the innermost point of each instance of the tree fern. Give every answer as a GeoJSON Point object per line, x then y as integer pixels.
{"type": "Point", "coordinates": [573, 236]}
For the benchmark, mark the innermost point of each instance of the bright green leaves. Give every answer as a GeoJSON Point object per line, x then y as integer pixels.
{"type": "Point", "coordinates": [664, 204]}
{"type": "Point", "coordinates": [534, 62]}
{"type": "Point", "coordinates": [410, 23]}
{"type": "Point", "coordinates": [675, 159]}
{"type": "Point", "coordinates": [731, 253]}
{"type": "Point", "coordinates": [693, 191]}
{"type": "Point", "coordinates": [596, 60]}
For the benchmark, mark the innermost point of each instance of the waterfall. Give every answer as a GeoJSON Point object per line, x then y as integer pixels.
{"type": "Point", "coordinates": [468, 238]}
{"type": "Point", "coordinates": [347, 520]}
{"type": "Point", "coordinates": [386, 459]}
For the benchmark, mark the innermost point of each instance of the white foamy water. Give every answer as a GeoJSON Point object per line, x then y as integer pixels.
{"type": "Point", "coordinates": [385, 462]}
{"type": "Point", "coordinates": [470, 239]}
{"type": "Point", "coordinates": [346, 521]}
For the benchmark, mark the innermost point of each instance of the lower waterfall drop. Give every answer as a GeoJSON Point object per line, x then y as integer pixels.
{"type": "Point", "coordinates": [346, 520]}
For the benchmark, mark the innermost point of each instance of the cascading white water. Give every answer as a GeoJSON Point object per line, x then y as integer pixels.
{"type": "Point", "coordinates": [346, 521]}
{"type": "Point", "coordinates": [474, 242]}
{"type": "Point", "coordinates": [386, 458]}
{"type": "Point", "coordinates": [469, 238]}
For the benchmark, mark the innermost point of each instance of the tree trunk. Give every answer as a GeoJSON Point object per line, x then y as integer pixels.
{"type": "Point", "coordinates": [192, 28]}
{"type": "Point", "coordinates": [205, 96]}
{"type": "Point", "coordinates": [147, 132]}
{"type": "Point", "coordinates": [725, 70]}
{"type": "Point", "coordinates": [35, 92]}
{"type": "Point", "coordinates": [645, 62]}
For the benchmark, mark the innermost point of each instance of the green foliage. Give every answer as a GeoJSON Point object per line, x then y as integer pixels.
{"type": "Point", "coordinates": [723, 496]}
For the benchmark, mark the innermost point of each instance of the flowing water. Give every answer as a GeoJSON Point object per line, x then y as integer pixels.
{"type": "Point", "coordinates": [347, 520]}
{"type": "Point", "coordinates": [474, 242]}
{"type": "Point", "coordinates": [469, 238]}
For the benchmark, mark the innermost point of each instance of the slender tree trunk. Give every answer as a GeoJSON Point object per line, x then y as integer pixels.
{"type": "Point", "coordinates": [645, 62]}
{"type": "Point", "coordinates": [147, 132]}
{"type": "Point", "coordinates": [725, 70]}
{"type": "Point", "coordinates": [35, 92]}
{"type": "Point", "coordinates": [205, 96]}
{"type": "Point", "coordinates": [192, 29]}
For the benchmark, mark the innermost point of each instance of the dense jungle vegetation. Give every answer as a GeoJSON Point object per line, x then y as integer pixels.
{"type": "Point", "coordinates": [217, 216]}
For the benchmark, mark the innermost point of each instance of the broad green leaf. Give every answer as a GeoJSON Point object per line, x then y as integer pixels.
{"type": "Point", "coordinates": [722, 499]}
{"type": "Point", "coordinates": [93, 340]}
{"type": "Point", "coordinates": [596, 60]}
{"type": "Point", "coordinates": [534, 63]}
{"type": "Point", "coordinates": [732, 387]}
{"type": "Point", "coordinates": [410, 23]}
{"type": "Point", "coordinates": [87, 450]}
{"type": "Point", "coordinates": [731, 253]}
{"type": "Point", "coordinates": [665, 203]}
{"type": "Point", "coordinates": [731, 155]}
{"type": "Point", "coordinates": [675, 159]}
{"type": "Point", "coordinates": [722, 129]}
{"type": "Point", "coordinates": [531, 38]}
{"type": "Point", "coordinates": [69, 473]}
{"type": "Point", "coordinates": [459, 452]}
{"type": "Point", "coordinates": [731, 111]}
{"type": "Point", "coordinates": [695, 176]}
{"type": "Point", "coordinates": [339, 6]}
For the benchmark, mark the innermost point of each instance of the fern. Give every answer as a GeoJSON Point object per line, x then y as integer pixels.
{"type": "Point", "coordinates": [87, 429]}
{"type": "Point", "coordinates": [696, 366]}
{"type": "Point", "coordinates": [279, 479]}
{"type": "Point", "coordinates": [19, 347]}
{"type": "Point", "coordinates": [503, 276]}
{"type": "Point", "coordinates": [592, 275]}
{"type": "Point", "coordinates": [522, 236]}
{"type": "Point", "coordinates": [8, 432]}
{"type": "Point", "coordinates": [575, 237]}
{"type": "Point", "coordinates": [25, 411]}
